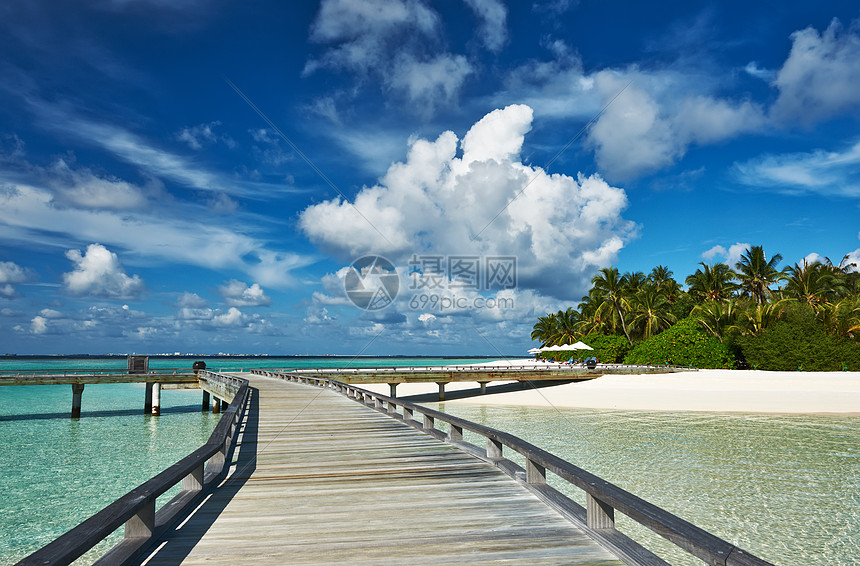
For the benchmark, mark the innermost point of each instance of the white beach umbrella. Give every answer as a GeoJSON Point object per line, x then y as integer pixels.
{"type": "Point", "coordinates": [577, 346]}
{"type": "Point", "coordinates": [534, 350]}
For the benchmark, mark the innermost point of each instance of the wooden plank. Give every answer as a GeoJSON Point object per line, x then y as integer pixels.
{"type": "Point", "coordinates": [319, 478]}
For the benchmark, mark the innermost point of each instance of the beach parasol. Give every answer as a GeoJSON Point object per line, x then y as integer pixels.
{"type": "Point", "coordinates": [576, 346]}
{"type": "Point", "coordinates": [534, 351]}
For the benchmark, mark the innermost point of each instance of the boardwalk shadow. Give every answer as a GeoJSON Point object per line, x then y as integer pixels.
{"type": "Point", "coordinates": [476, 392]}
{"type": "Point", "coordinates": [179, 541]}
{"type": "Point", "coordinates": [114, 413]}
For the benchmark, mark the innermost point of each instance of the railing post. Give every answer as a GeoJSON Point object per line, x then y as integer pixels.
{"type": "Point", "coordinates": [142, 524]}
{"type": "Point", "coordinates": [194, 480]}
{"type": "Point", "coordinates": [535, 473]}
{"type": "Point", "coordinates": [494, 449]}
{"type": "Point", "coordinates": [407, 414]}
{"type": "Point", "coordinates": [392, 408]}
{"type": "Point", "coordinates": [598, 514]}
{"type": "Point", "coordinates": [456, 433]}
{"type": "Point", "coordinates": [428, 422]}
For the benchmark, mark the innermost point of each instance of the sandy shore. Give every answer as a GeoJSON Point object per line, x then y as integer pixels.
{"type": "Point", "coordinates": [703, 390]}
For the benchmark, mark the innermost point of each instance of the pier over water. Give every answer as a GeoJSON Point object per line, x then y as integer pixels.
{"type": "Point", "coordinates": [320, 471]}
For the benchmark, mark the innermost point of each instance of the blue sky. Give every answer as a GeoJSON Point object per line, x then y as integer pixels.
{"type": "Point", "coordinates": [199, 176]}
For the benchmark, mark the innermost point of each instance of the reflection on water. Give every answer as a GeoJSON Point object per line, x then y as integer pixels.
{"type": "Point", "coordinates": [784, 487]}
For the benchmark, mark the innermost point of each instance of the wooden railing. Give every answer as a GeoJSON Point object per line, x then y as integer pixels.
{"type": "Point", "coordinates": [196, 473]}
{"type": "Point", "coordinates": [548, 366]}
{"type": "Point", "coordinates": [101, 371]}
{"type": "Point", "coordinates": [602, 498]}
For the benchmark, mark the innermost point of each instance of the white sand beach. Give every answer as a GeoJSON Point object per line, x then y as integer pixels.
{"type": "Point", "coordinates": [745, 391]}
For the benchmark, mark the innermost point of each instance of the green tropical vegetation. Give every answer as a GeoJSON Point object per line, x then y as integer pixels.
{"type": "Point", "coordinates": [755, 314]}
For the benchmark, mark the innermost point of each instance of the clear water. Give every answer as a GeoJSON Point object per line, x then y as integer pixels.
{"type": "Point", "coordinates": [784, 487]}
{"type": "Point", "coordinates": [56, 472]}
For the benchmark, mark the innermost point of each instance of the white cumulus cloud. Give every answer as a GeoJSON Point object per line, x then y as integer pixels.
{"type": "Point", "coordinates": [493, 16]}
{"type": "Point", "coordinates": [239, 294]}
{"type": "Point", "coordinates": [820, 76]}
{"type": "Point", "coordinates": [396, 42]}
{"type": "Point", "coordinates": [485, 202]}
{"type": "Point", "coordinates": [39, 325]}
{"type": "Point", "coordinates": [728, 256]}
{"type": "Point", "coordinates": [98, 272]}
{"type": "Point", "coordinates": [10, 273]}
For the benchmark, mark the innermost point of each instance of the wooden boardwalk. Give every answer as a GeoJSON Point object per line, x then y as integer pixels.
{"type": "Point", "coordinates": [318, 478]}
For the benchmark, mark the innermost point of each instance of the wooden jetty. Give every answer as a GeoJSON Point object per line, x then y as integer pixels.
{"type": "Point", "coordinates": [155, 380]}
{"type": "Point", "coordinates": [481, 374]}
{"type": "Point", "coordinates": [306, 470]}
{"type": "Point", "coordinates": [139, 372]}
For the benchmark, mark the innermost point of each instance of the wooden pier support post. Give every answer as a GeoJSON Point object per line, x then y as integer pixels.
{"type": "Point", "coordinates": [216, 404]}
{"type": "Point", "coordinates": [147, 399]}
{"type": "Point", "coordinates": [156, 399]}
{"type": "Point", "coordinates": [224, 404]}
{"type": "Point", "coordinates": [205, 406]}
{"type": "Point", "coordinates": [441, 385]}
{"type": "Point", "coordinates": [77, 391]}
{"type": "Point", "coordinates": [393, 388]}
{"type": "Point", "coordinates": [483, 385]}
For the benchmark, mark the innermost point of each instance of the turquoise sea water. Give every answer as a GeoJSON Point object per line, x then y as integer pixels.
{"type": "Point", "coordinates": [56, 472]}
{"type": "Point", "coordinates": [785, 487]}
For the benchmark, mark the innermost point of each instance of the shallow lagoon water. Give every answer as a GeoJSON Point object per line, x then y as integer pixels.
{"type": "Point", "coordinates": [784, 487]}
{"type": "Point", "coordinates": [57, 471]}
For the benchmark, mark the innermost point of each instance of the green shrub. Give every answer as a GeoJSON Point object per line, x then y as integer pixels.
{"type": "Point", "coordinates": [608, 349]}
{"type": "Point", "coordinates": [799, 342]}
{"type": "Point", "coordinates": [684, 344]}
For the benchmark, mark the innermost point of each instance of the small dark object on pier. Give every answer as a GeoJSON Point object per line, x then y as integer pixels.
{"type": "Point", "coordinates": [198, 365]}
{"type": "Point", "coordinates": [591, 363]}
{"type": "Point", "coordinates": [138, 364]}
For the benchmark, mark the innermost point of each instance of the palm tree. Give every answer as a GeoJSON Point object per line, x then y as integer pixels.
{"type": "Point", "coordinates": [661, 276]}
{"type": "Point", "coordinates": [558, 328]}
{"type": "Point", "coordinates": [633, 282]}
{"type": "Point", "coordinates": [842, 318]}
{"type": "Point", "coordinates": [650, 311]}
{"type": "Point", "coordinates": [712, 283]}
{"type": "Point", "coordinates": [811, 283]}
{"type": "Point", "coordinates": [758, 317]}
{"type": "Point", "coordinates": [610, 291]}
{"type": "Point", "coordinates": [567, 327]}
{"type": "Point", "coordinates": [717, 317]}
{"type": "Point", "coordinates": [846, 277]}
{"type": "Point", "coordinates": [544, 329]}
{"type": "Point", "coordinates": [756, 273]}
